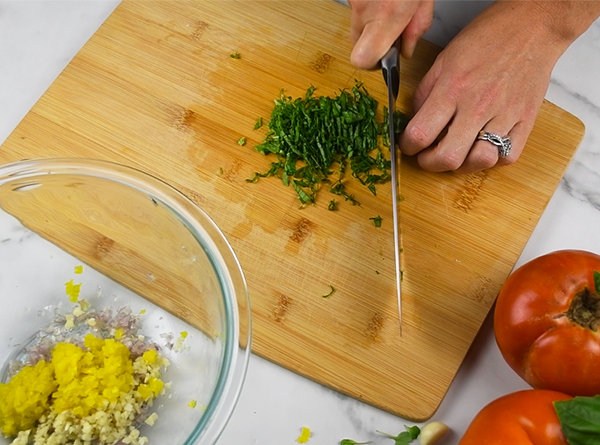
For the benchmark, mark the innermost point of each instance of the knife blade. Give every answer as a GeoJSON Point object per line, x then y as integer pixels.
{"type": "Point", "coordinates": [390, 66]}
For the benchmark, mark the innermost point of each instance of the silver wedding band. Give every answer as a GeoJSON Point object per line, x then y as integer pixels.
{"type": "Point", "coordinates": [503, 144]}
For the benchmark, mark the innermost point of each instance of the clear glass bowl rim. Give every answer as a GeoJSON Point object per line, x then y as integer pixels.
{"type": "Point", "coordinates": [236, 357]}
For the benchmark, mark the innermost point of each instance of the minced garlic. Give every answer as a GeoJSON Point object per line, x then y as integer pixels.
{"type": "Point", "coordinates": [84, 395]}
{"type": "Point", "coordinates": [151, 419]}
{"type": "Point", "coordinates": [69, 321]}
{"type": "Point", "coordinates": [77, 311]}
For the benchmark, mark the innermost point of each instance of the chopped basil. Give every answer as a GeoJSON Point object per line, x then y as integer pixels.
{"type": "Point", "coordinates": [317, 137]}
{"type": "Point", "coordinates": [330, 292]}
{"type": "Point", "coordinates": [376, 220]}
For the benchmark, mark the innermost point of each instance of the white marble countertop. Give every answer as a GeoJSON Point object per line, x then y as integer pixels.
{"type": "Point", "coordinates": [39, 38]}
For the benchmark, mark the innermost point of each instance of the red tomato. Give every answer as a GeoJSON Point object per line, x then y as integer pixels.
{"type": "Point", "coordinates": [521, 418]}
{"type": "Point", "coordinates": [546, 322]}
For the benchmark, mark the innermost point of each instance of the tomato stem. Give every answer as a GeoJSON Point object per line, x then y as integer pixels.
{"type": "Point", "coordinates": [584, 310]}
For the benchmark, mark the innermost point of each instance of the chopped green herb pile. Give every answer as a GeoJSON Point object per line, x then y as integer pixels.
{"type": "Point", "coordinates": [315, 137]}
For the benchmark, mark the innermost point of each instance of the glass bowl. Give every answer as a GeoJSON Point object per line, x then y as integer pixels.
{"type": "Point", "coordinates": [134, 244]}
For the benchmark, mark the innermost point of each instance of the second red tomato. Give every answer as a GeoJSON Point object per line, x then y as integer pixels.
{"type": "Point", "coordinates": [546, 322]}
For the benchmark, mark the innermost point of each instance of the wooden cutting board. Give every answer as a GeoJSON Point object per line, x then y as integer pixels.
{"type": "Point", "coordinates": [156, 88]}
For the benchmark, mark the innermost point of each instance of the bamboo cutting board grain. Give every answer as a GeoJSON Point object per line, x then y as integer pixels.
{"type": "Point", "coordinates": [156, 88]}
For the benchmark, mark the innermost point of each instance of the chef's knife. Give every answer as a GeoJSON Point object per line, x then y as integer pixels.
{"type": "Point", "coordinates": [390, 65]}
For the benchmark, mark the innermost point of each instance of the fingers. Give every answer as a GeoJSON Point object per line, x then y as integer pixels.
{"type": "Point", "coordinates": [376, 25]}
{"type": "Point", "coordinates": [518, 137]}
{"type": "Point", "coordinates": [419, 25]}
{"type": "Point", "coordinates": [483, 154]}
{"type": "Point", "coordinates": [460, 150]}
{"type": "Point", "coordinates": [427, 124]}
{"type": "Point", "coordinates": [451, 151]}
{"type": "Point", "coordinates": [374, 41]}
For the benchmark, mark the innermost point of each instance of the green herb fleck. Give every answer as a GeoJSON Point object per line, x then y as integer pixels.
{"type": "Point", "coordinates": [405, 437]}
{"type": "Point", "coordinates": [377, 272]}
{"type": "Point", "coordinates": [235, 55]}
{"type": "Point", "coordinates": [220, 170]}
{"type": "Point", "coordinates": [376, 220]}
{"type": "Point", "coordinates": [258, 123]}
{"type": "Point", "coordinates": [242, 141]}
{"type": "Point", "coordinates": [352, 442]}
{"type": "Point", "coordinates": [330, 292]}
{"type": "Point", "coordinates": [340, 189]}
{"type": "Point", "coordinates": [332, 205]}
{"type": "Point", "coordinates": [304, 197]}
{"type": "Point", "coordinates": [255, 178]}
{"type": "Point", "coordinates": [316, 137]}
{"type": "Point", "coordinates": [597, 281]}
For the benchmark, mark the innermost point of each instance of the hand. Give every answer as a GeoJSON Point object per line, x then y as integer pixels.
{"type": "Point", "coordinates": [493, 77]}
{"type": "Point", "coordinates": [376, 24]}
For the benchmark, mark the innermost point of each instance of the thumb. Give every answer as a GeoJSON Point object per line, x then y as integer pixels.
{"type": "Point", "coordinates": [374, 41]}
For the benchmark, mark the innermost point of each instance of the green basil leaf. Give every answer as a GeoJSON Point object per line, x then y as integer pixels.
{"type": "Point", "coordinates": [352, 442]}
{"type": "Point", "coordinates": [580, 419]}
{"type": "Point", "coordinates": [597, 281]}
{"type": "Point", "coordinates": [414, 431]}
{"type": "Point", "coordinates": [405, 437]}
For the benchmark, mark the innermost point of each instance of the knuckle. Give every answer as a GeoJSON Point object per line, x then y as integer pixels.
{"type": "Point", "coordinates": [424, 23]}
{"type": "Point", "coordinates": [458, 85]}
{"type": "Point", "coordinates": [452, 161]}
{"type": "Point", "coordinates": [418, 135]}
{"type": "Point", "coordinates": [447, 161]}
{"type": "Point", "coordinates": [486, 159]}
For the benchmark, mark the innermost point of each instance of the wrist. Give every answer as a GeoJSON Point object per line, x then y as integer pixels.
{"type": "Point", "coordinates": [563, 20]}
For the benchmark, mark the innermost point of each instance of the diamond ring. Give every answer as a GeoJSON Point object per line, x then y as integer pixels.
{"type": "Point", "coordinates": [502, 143]}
